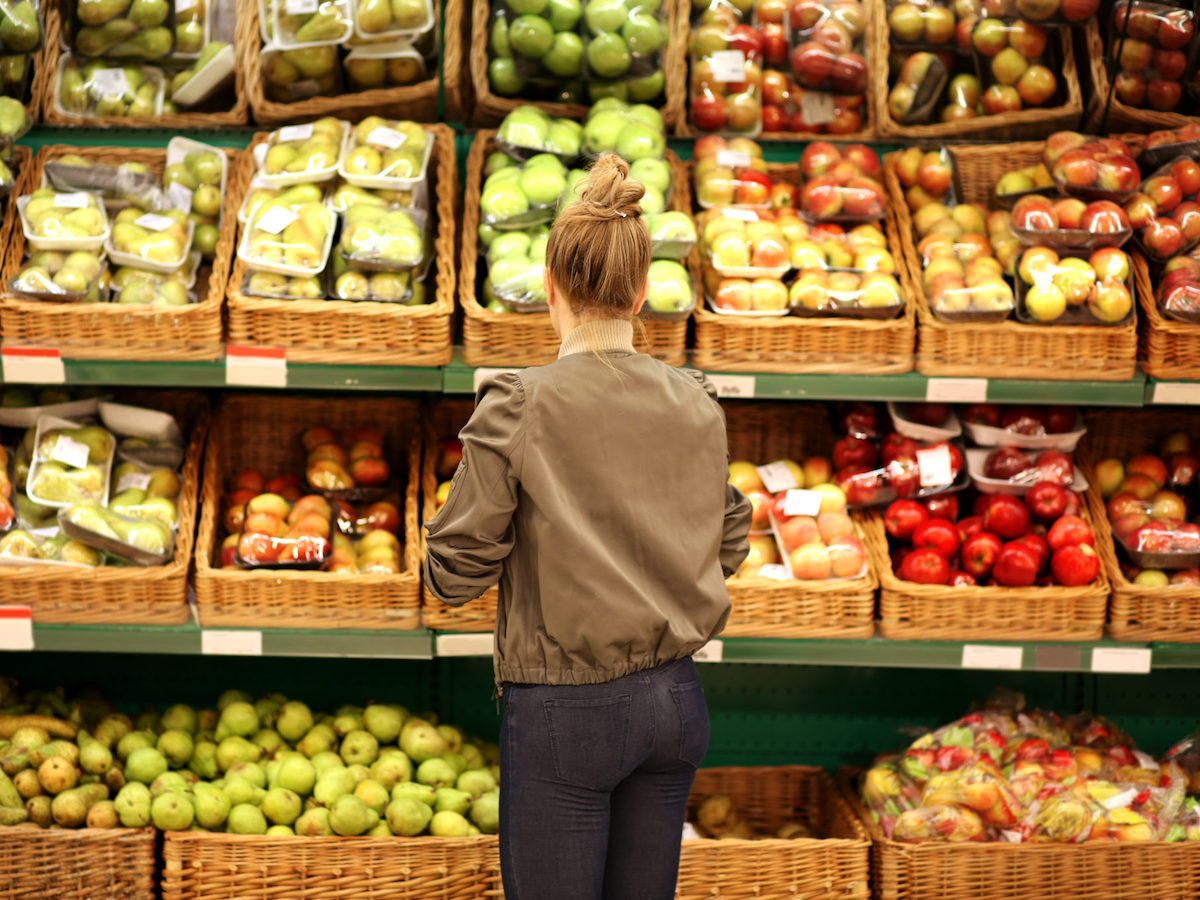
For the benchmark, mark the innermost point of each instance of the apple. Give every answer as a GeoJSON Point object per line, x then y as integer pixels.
{"type": "Point", "coordinates": [1008, 66]}
{"type": "Point", "coordinates": [1005, 463]}
{"type": "Point", "coordinates": [1001, 98]}
{"type": "Point", "coordinates": [906, 22]}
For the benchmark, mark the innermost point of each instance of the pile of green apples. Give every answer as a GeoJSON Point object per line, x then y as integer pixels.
{"type": "Point", "coordinates": [516, 263]}
{"type": "Point", "coordinates": [625, 43]}
{"type": "Point", "coordinates": [81, 92]}
{"type": "Point", "coordinates": [529, 130]}
{"type": "Point", "coordinates": [386, 237]}
{"type": "Point", "coordinates": [140, 30]}
{"type": "Point", "coordinates": [265, 767]}
{"type": "Point", "coordinates": [527, 192]}
{"type": "Point", "coordinates": [535, 40]}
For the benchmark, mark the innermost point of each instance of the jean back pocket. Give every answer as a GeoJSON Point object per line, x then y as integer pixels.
{"type": "Point", "coordinates": [589, 739]}
{"type": "Point", "coordinates": [693, 721]}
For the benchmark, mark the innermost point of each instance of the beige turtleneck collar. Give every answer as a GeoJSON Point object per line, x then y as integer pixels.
{"type": "Point", "coordinates": [600, 335]}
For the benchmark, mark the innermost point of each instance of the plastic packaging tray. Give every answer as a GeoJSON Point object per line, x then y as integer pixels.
{"type": "Point", "coordinates": [977, 456]}
{"type": "Point", "coordinates": [28, 416]}
{"type": "Point", "coordinates": [918, 432]}
{"type": "Point", "coordinates": [61, 243]}
{"type": "Point", "coordinates": [387, 182]}
{"type": "Point", "coordinates": [287, 179]}
{"type": "Point", "coordinates": [113, 545]}
{"type": "Point", "coordinates": [990, 436]}
{"type": "Point", "coordinates": [140, 262]}
{"type": "Point", "coordinates": [135, 421]}
{"type": "Point", "coordinates": [48, 423]}
{"type": "Point", "coordinates": [205, 82]}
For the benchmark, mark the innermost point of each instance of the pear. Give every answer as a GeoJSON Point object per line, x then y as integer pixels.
{"type": "Point", "coordinates": [172, 812]}
{"type": "Point", "coordinates": [152, 43]}
{"type": "Point", "coordinates": [359, 748]}
{"type": "Point", "coordinates": [325, 26]}
{"type": "Point", "coordinates": [97, 12]}
{"type": "Point", "coordinates": [485, 813]}
{"type": "Point", "coordinates": [452, 799]}
{"type": "Point", "coordinates": [20, 29]}
{"type": "Point", "coordinates": [168, 781]}
{"type": "Point", "coordinates": [204, 760]}
{"type": "Point", "coordinates": [414, 790]}
{"type": "Point", "coordinates": [242, 790]}
{"type": "Point", "coordinates": [148, 13]}
{"type": "Point", "coordinates": [70, 808]}
{"type": "Point", "coordinates": [333, 784]}
{"type": "Point", "coordinates": [19, 544]}
{"type": "Point", "coordinates": [281, 806]}
{"type": "Point", "coordinates": [233, 750]}
{"type": "Point", "coordinates": [420, 740]}
{"type": "Point", "coordinates": [145, 764]}
{"type": "Point", "coordinates": [373, 16]}
{"type": "Point", "coordinates": [319, 738]}
{"type": "Point", "coordinates": [211, 804]}
{"type": "Point", "coordinates": [391, 770]}
{"type": "Point", "coordinates": [436, 773]}
{"type": "Point", "coordinates": [350, 816]}
{"type": "Point", "coordinates": [97, 41]}
{"type": "Point", "coordinates": [407, 817]}
{"type": "Point", "coordinates": [189, 37]}
{"type": "Point", "coordinates": [326, 760]}
{"type": "Point", "coordinates": [449, 824]}
{"type": "Point", "coordinates": [133, 805]}
{"type": "Point", "coordinates": [476, 782]}
{"type": "Point", "coordinates": [374, 794]}
{"type": "Point", "coordinates": [132, 741]}
{"type": "Point", "coordinates": [314, 823]}
{"type": "Point", "coordinates": [177, 746]}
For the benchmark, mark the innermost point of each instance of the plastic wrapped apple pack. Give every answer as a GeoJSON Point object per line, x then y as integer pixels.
{"type": "Point", "coordinates": [926, 174]}
{"type": "Point", "coordinates": [304, 154]}
{"type": "Point", "coordinates": [8, 493]}
{"type": "Point", "coordinates": [288, 241]}
{"type": "Point", "coordinates": [1166, 210]}
{"type": "Point", "coordinates": [815, 543]}
{"type": "Point", "coordinates": [1017, 183]}
{"type": "Point", "coordinates": [378, 19]}
{"type": "Point", "coordinates": [528, 131]}
{"type": "Point", "coordinates": [725, 80]}
{"type": "Point", "coordinates": [830, 246]}
{"type": "Point", "coordinates": [1074, 290]}
{"type": "Point", "coordinates": [352, 468]}
{"type": "Point", "coordinates": [1091, 168]}
{"type": "Point", "coordinates": [75, 277]}
{"type": "Point", "coordinates": [730, 173]}
{"type": "Point", "coordinates": [280, 535]}
{"type": "Point", "coordinates": [915, 471]}
{"type": "Point", "coordinates": [841, 183]}
{"type": "Point", "coordinates": [1011, 470]}
{"type": "Point", "coordinates": [1017, 62]}
{"type": "Point", "coordinates": [282, 287]}
{"type": "Point", "coordinates": [1157, 535]}
{"type": "Point", "coordinates": [964, 280]}
{"type": "Point", "coordinates": [1043, 12]}
{"type": "Point", "coordinates": [924, 421]}
{"type": "Point", "coordinates": [672, 234]}
{"type": "Point", "coordinates": [311, 23]}
{"type": "Point", "coordinates": [1070, 224]}
{"type": "Point", "coordinates": [624, 39]}
{"type": "Point", "coordinates": [144, 541]}
{"type": "Point", "coordinates": [160, 242]}
{"type": "Point", "coordinates": [520, 196]}
{"type": "Point", "coordinates": [1178, 289]}
{"type": "Point", "coordinates": [70, 463]}
{"type": "Point", "coordinates": [919, 83]}
{"type": "Point", "coordinates": [1149, 43]}
{"type": "Point", "coordinates": [515, 266]}
{"type": "Point", "coordinates": [293, 75]}
{"type": "Point", "coordinates": [1024, 427]}
{"type": "Point", "coordinates": [930, 25]}
{"type": "Point", "coordinates": [95, 28]}
{"type": "Point", "coordinates": [670, 293]}
{"type": "Point", "coordinates": [828, 47]}
{"type": "Point", "coordinates": [1165, 146]}
{"type": "Point", "coordinates": [762, 297]}
{"type": "Point", "coordinates": [738, 243]}
{"type": "Point", "coordinates": [383, 240]}
{"type": "Point", "coordinates": [394, 64]}
{"type": "Point", "coordinates": [847, 293]}
{"type": "Point", "coordinates": [386, 154]}
{"type": "Point", "coordinates": [635, 132]}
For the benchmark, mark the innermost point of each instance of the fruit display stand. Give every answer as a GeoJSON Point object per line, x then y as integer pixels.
{"type": "Point", "coordinates": [416, 101]}
{"type": "Point", "coordinates": [351, 332]}
{"type": "Point", "coordinates": [113, 330]}
{"type": "Point", "coordinates": [92, 864]}
{"type": "Point", "coordinates": [1167, 349]}
{"type": "Point", "coordinates": [1137, 612]}
{"type": "Point", "coordinates": [830, 865]}
{"type": "Point", "coordinates": [527, 339]}
{"type": "Point", "coordinates": [1119, 116]}
{"type": "Point", "coordinates": [45, 86]}
{"type": "Point", "coordinates": [263, 431]}
{"type": "Point", "coordinates": [456, 81]}
{"type": "Point", "coordinates": [1007, 349]}
{"type": "Point", "coordinates": [828, 345]}
{"type": "Point", "coordinates": [125, 595]}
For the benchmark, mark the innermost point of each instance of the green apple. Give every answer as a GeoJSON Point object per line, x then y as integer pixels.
{"type": "Point", "coordinates": [564, 137]}
{"type": "Point", "coordinates": [648, 87]}
{"type": "Point", "coordinates": [608, 55]}
{"type": "Point", "coordinates": [653, 173]}
{"type": "Point", "coordinates": [668, 288]}
{"type": "Point", "coordinates": [509, 244]}
{"type": "Point", "coordinates": [605, 15]}
{"type": "Point", "coordinates": [500, 45]}
{"type": "Point", "coordinates": [542, 185]}
{"type": "Point", "coordinates": [648, 115]}
{"type": "Point", "coordinates": [607, 104]}
{"type": "Point", "coordinates": [487, 234]}
{"type": "Point", "coordinates": [642, 33]}
{"type": "Point", "coordinates": [530, 36]}
{"type": "Point", "coordinates": [574, 177]}
{"type": "Point", "coordinates": [598, 90]}
{"type": "Point", "coordinates": [503, 77]}
{"type": "Point", "coordinates": [652, 201]}
{"type": "Point", "coordinates": [537, 247]}
{"type": "Point", "coordinates": [565, 56]}
{"type": "Point", "coordinates": [564, 14]}
{"type": "Point", "coordinates": [527, 7]}
{"type": "Point", "coordinates": [671, 226]}
{"type": "Point", "coordinates": [639, 141]}
{"type": "Point", "coordinates": [503, 202]}
{"type": "Point", "coordinates": [525, 126]}
{"type": "Point", "coordinates": [496, 161]}
{"type": "Point", "coordinates": [602, 132]}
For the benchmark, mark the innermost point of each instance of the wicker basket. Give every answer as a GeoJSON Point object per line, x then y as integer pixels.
{"type": "Point", "coordinates": [46, 84]}
{"type": "Point", "coordinates": [415, 101]}
{"type": "Point", "coordinates": [456, 80]}
{"type": "Point", "coordinates": [1167, 349]}
{"type": "Point", "coordinates": [831, 865]}
{"type": "Point", "coordinates": [528, 339]}
{"type": "Point", "coordinates": [88, 864]}
{"type": "Point", "coordinates": [261, 431]}
{"type": "Point", "coordinates": [22, 161]}
{"type": "Point", "coordinates": [199, 866]}
{"type": "Point", "coordinates": [1122, 117]}
{"type": "Point", "coordinates": [790, 344]}
{"type": "Point", "coordinates": [122, 331]}
{"type": "Point", "coordinates": [346, 332]}
{"type": "Point", "coordinates": [933, 612]}
{"type": "Point", "coordinates": [1137, 612]}
{"type": "Point", "coordinates": [491, 109]}
{"type": "Point", "coordinates": [1025, 124]}
{"type": "Point", "coordinates": [1007, 349]}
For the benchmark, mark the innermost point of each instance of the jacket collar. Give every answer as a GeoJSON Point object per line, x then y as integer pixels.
{"type": "Point", "coordinates": [600, 335]}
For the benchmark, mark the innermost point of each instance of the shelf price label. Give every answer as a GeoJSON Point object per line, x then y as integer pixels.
{"type": "Point", "coordinates": [740, 387]}
{"type": "Point", "coordinates": [464, 644]}
{"type": "Point", "coordinates": [32, 365]}
{"type": "Point", "coordinates": [988, 656]}
{"type": "Point", "coordinates": [711, 652]}
{"type": "Point", "coordinates": [1122, 660]}
{"type": "Point", "coordinates": [482, 375]}
{"type": "Point", "coordinates": [230, 643]}
{"type": "Point", "coordinates": [16, 628]}
{"type": "Point", "coordinates": [956, 390]}
{"type": "Point", "coordinates": [1184, 393]}
{"type": "Point", "coordinates": [248, 366]}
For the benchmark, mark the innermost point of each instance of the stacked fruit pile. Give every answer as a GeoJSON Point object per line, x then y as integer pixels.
{"type": "Point", "coordinates": [718, 816]}
{"type": "Point", "coordinates": [1149, 43]}
{"type": "Point", "coordinates": [20, 38]}
{"type": "Point", "coordinates": [1004, 774]}
{"type": "Point", "coordinates": [269, 766]}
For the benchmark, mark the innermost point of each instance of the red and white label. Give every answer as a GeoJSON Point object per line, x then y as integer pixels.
{"type": "Point", "coordinates": [16, 628]}
{"type": "Point", "coordinates": [32, 365]}
{"type": "Point", "coordinates": [934, 463]}
{"type": "Point", "coordinates": [256, 366]}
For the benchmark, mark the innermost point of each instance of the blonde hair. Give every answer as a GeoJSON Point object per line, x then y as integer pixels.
{"type": "Point", "coordinates": [599, 249]}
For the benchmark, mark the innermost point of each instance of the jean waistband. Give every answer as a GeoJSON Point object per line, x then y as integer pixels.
{"type": "Point", "coordinates": [654, 673]}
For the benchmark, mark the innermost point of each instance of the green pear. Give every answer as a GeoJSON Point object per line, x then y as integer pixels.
{"type": "Point", "coordinates": [373, 16]}
{"type": "Point", "coordinates": [97, 12]}
{"type": "Point", "coordinates": [20, 28]}
{"type": "Point", "coordinates": [452, 799]}
{"type": "Point", "coordinates": [281, 806]}
{"type": "Point", "coordinates": [314, 823]}
{"type": "Point", "coordinates": [233, 750]}
{"type": "Point", "coordinates": [359, 748]}
{"type": "Point", "coordinates": [251, 771]}
{"type": "Point", "coordinates": [326, 25]}
{"type": "Point", "coordinates": [172, 812]}
{"type": "Point", "coordinates": [177, 746]}
{"type": "Point", "coordinates": [293, 720]}
{"type": "Point", "coordinates": [350, 816]}
{"type": "Point", "coordinates": [476, 782]}
{"type": "Point", "coordinates": [318, 739]}
{"type": "Point", "coordinates": [238, 719]}
{"type": "Point", "coordinates": [407, 817]}
{"type": "Point", "coordinates": [246, 819]}
{"type": "Point", "coordinates": [204, 760]}
{"type": "Point", "coordinates": [414, 790]}
{"type": "Point", "coordinates": [421, 741]}
{"type": "Point", "coordinates": [148, 13]}
{"type": "Point", "coordinates": [436, 773]}
{"type": "Point", "coordinates": [168, 781]}
{"type": "Point", "coordinates": [243, 791]}
{"type": "Point", "coordinates": [485, 812]}
{"type": "Point", "coordinates": [333, 784]}
{"type": "Point", "coordinates": [133, 805]}
{"type": "Point", "coordinates": [326, 760]}
{"type": "Point", "coordinates": [145, 764]}
{"type": "Point", "coordinates": [392, 769]}
{"type": "Point", "coordinates": [297, 774]}
{"type": "Point", "coordinates": [211, 805]}
{"type": "Point", "coordinates": [374, 794]}
{"type": "Point", "coordinates": [449, 824]}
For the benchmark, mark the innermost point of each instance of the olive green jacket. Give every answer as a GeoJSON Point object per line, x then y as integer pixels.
{"type": "Point", "coordinates": [594, 489]}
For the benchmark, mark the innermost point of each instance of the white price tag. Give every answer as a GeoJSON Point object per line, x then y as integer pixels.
{"type": "Point", "coordinates": [16, 628]}
{"type": "Point", "coordinates": [386, 137]}
{"type": "Point", "coordinates": [77, 200]}
{"type": "Point", "coordinates": [256, 366]}
{"type": "Point", "coordinates": [777, 477]}
{"type": "Point", "coordinates": [710, 652]}
{"type": "Point", "coordinates": [985, 656]}
{"type": "Point", "coordinates": [109, 81]}
{"type": "Point", "coordinates": [744, 215]}
{"type": "Point", "coordinates": [230, 643]}
{"type": "Point", "coordinates": [300, 7]}
{"type": "Point", "coordinates": [738, 386]}
{"type": "Point", "coordinates": [137, 481]}
{"type": "Point", "coordinates": [816, 107]}
{"type": "Point", "coordinates": [956, 390]}
{"type": "Point", "coordinates": [464, 644]}
{"type": "Point", "coordinates": [1124, 660]}
{"type": "Point", "coordinates": [1182, 393]}
{"type": "Point", "coordinates": [179, 196]}
{"type": "Point", "coordinates": [294, 132]}
{"type": "Point", "coordinates": [482, 375]}
{"type": "Point", "coordinates": [732, 159]}
{"type": "Point", "coordinates": [728, 65]}
{"type": "Point", "coordinates": [775, 572]}
{"type": "Point", "coordinates": [70, 452]}
{"type": "Point", "coordinates": [1122, 799]}
{"type": "Point", "coordinates": [801, 503]}
{"type": "Point", "coordinates": [154, 221]}
{"type": "Point", "coordinates": [275, 219]}
{"type": "Point", "coordinates": [185, 5]}
{"type": "Point", "coordinates": [1145, 760]}
{"type": "Point", "coordinates": [934, 463]}
{"type": "Point", "coordinates": [32, 365]}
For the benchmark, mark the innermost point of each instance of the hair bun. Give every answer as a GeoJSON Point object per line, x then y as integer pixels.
{"type": "Point", "coordinates": [609, 192]}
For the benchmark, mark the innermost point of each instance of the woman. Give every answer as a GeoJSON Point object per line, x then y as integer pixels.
{"type": "Point", "coordinates": [594, 490]}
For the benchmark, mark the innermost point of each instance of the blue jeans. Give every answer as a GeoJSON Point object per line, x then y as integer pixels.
{"type": "Point", "coordinates": [594, 782]}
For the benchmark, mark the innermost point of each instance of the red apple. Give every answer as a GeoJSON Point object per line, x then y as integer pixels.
{"type": "Point", "coordinates": [902, 517]}
{"type": "Point", "coordinates": [925, 566]}
{"type": "Point", "coordinates": [1016, 565]}
{"type": "Point", "coordinates": [1075, 565]}
{"type": "Point", "coordinates": [1006, 517]}
{"type": "Point", "coordinates": [937, 534]}
{"type": "Point", "coordinates": [979, 554]}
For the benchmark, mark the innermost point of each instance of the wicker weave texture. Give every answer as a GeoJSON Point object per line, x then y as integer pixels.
{"type": "Point", "coordinates": [91, 864]}
{"type": "Point", "coordinates": [1167, 349]}
{"type": "Point", "coordinates": [1122, 117]}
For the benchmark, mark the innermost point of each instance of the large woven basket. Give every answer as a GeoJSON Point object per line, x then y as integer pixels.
{"type": "Point", "coordinates": [46, 86]}
{"type": "Point", "coordinates": [490, 108]}
{"type": "Point", "coordinates": [1122, 117]}
{"type": "Point", "coordinates": [200, 866]}
{"type": "Point", "coordinates": [415, 101]}
{"type": "Point", "coordinates": [1167, 349]}
{"type": "Point", "coordinates": [21, 162]}
{"type": "Point", "coordinates": [123, 331]}
{"type": "Point", "coordinates": [726, 343]}
{"type": "Point", "coordinates": [933, 612]}
{"type": "Point", "coordinates": [831, 865]}
{"type": "Point", "coordinates": [89, 864]}
{"type": "Point", "coordinates": [1007, 349]}
{"type": "Point", "coordinates": [1138, 612]}
{"type": "Point", "coordinates": [456, 80]}
{"type": "Point", "coordinates": [1025, 124]}
{"type": "Point", "coordinates": [345, 332]}
{"type": "Point", "coordinates": [528, 339]}
{"type": "Point", "coordinates": [262, 431]}
{"type": "Point", "coordinates": [126, 595]}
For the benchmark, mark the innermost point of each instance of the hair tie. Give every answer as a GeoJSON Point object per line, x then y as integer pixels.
{"type": "Point", "coordinates": [622, 215]}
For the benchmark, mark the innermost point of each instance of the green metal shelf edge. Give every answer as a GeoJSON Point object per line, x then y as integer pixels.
{"type": "Point", "coordinates": [212, 374]}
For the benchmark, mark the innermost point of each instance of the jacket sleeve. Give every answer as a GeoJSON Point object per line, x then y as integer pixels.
{"type": "Point", "coordinates": [469, 539]}
{"type": "Point", "coordinates": [735, 545]}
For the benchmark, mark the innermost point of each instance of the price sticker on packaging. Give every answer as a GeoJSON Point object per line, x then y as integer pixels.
{"type": "Point", "coordinates": [732, 159]}
{"type": "Point", "coordinates": [777, 477]}
{"type": "Point", "coordinates": [252, 366]}
{"type": "Point", "coordinates": [710, 652]}
{"type": "Point", "coordinates": [386, 137]}
{"type": "Point", "coordinates": [775, 572]}
{"type": "Point", "coordinates": [802, 503]}
{"type": "Point", "coordinates": [109, 81]}
{"type": "Point", "coordinates": [301, 7]}
{"type": "Point", "coordinates": [1180, 393]}
{"type": "Point", "coordinates": [154, 221]}
{"type": "Point", "coordinates": [275, 219]}
{"type": "Point", "coordinates": [934, 464]}
{"type": "Point", "coordinates": [230, 643]}
{"type": "Point", "coordinates": [984, 656]}
{"type": "Point", "coordinates": [728, 65]}
{"type": "Point", "coordinates": [70, 452]}
{"type": "Point", "coordinates": [744, 215]}
{"type": "Point", "coordinates": [179, 196]}
{"type": "Point", "coordinates": [817, 108]}
{"type": "Point", "coordinates": [16, 628]}
{"type": "Point", "coordinates": [956, 390]}
{"type": "Point", "coordinates": [294, 132]}
{"type": "Point", "coordinates": [1122, 799]}
{"type": "Point", "coordinates": [32, 365]}
{"type": "Point", "coordinates": [138, 481]}
{"type": "Point", "coordinates": [739, 387]}
{"type": "Point", "coordinates": [76, 200]}
{"type": "Point", "coordinates": [1122, 660]}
